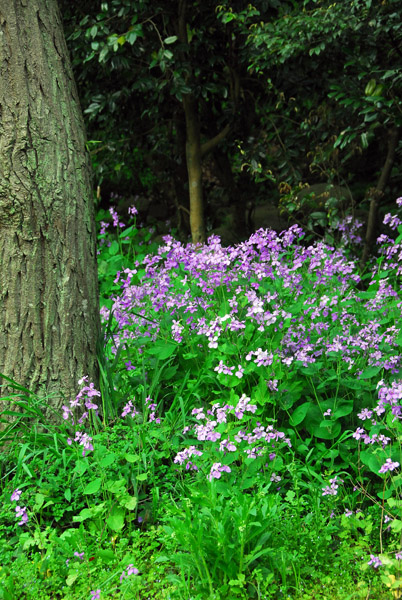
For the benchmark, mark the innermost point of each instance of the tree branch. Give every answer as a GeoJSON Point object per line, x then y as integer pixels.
{"type": "Point", "coordinates": [210, 144]}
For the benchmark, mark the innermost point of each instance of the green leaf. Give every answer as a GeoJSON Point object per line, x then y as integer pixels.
{"type": "Point", "coordinates": [39, 500]}
{"type": "Point", "coordinates": [396, 525]}
{"type": "Point", "coordinates": [163, 351]}
{"type": "Point", "coordinates": [370, 372]}
{"type": "Point", "coordinates": [113, 248]}
{"type": "Point", "coordinates": [312, 368]}
{"type": "Point", "coordinates": [116, 519]}
{"type": "Point", "coordinates": [108, 460]}
{"type": "Point", "coordinates": [71, 578]}
{"type": "Point", "coordinates": [81, 467]}
{"type": "Point", "coordinates": [142, 477]}
{"type": "Point", "coordinates": [131, 37]}
{"type": "Point", "coordinates": [170, 40]}
{"type": "Point", "coordinates": [116, 486]}
{"type": "Point", "coordinates": [328, 433]}
{"type": "Point", "coordinates": [344, 408]}
{"type": "Point", "coordinates": [132, 458]}
{"type": "Point", "coordinates": [103, 53]}
{"type": "Point", "coordinates": [130, 502]}
{"type": "Point", "coordinates": [93, 486]}
{"type": "Point", "coordinates": [106, 556]}
{"type": "Point", "coordinates": [67, 495]}
{"type": "Point", "coordinates": [373, 461]}
{"type": "Point", "coordinates": [298, 415]}
{"type": "Point", "coordinates": [86, 513]}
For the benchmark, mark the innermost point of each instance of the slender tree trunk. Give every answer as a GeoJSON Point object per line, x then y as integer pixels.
{"type": "Point", "coordinates": [377, 193]}
{"type": "Point", "coordinates": [194, 169]}
{"type": "Point", "coordinates": [49, 317]}
{"type": "Point", "coordinates": [194, 150]}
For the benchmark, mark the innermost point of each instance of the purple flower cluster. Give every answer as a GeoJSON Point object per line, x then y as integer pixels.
{"type": "Point", "coordinates": [252, 442]}
{"type": "Point", "coordinates": [332, 489]}
{"type": "Point", "coordinates": [20, 511]}
{"type": "Point", "coordinates": [374, 561]}
{"type": "Point", "coordinates": [83, 440]}
{"type": "Point", "coordinates": [86, 393]}
{"type": "Point", "coordinates": [389, 402]}
{"type": "Point", "coordinates": [217, 469]}
{"type": "Point", "coordinates": [131, 570]}
{"type": "Point", "coordinates": [130, 409]}
{"type": "Point", "coordinates": [389, 466]}
{"type": "Point", "coordinates": [210, 268]}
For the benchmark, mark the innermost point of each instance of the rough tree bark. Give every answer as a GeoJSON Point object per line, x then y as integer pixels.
{"type": "Point", "coordinates": [49, 317]}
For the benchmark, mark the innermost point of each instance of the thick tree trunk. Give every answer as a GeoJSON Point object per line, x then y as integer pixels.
{"type": "Point", "coordinates": [49, 318]}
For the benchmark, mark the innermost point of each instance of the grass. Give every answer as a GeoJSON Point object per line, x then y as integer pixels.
{"type": "Point", "coordinates": [245, 440]}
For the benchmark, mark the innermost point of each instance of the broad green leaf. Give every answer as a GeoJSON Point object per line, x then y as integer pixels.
{"type": "Point", "coordinates": [327, 433]}
{"type": "Point", "coordinates": [116, 519]}
{"type": "Point", "coordinates": [163, 351]}
{"type": "Point", "coordinates": [311, 369]}
{"type": "Point", "coordinates": [396, 525]}
{"type": "Point", "coordinates": [106, 555]}
{"type": "Point", "coordinates": [142, 477]}
{"type": "Point", "coordinates": [298, 415]}
{"type": "Point", "coordinates": [81, 467]}
{"type": "Point", "coordinates": [373, 461]}
{"type": "Point", "coordinates": [86, 513]}
{"type": "Point", "coordinates": [132, 458]}
{"type": "Point", "coordinates": [39, 500]}
{"type": "Point", "coordinates": [93, 486]}
{"type": "Point", "coordinates": [113, 248]}
{"type": "Point", "coordinates": [115, 487]}
{"type": "Point", "coordinates": [108, 460]}
{"type": "Point", "coordinates": [370, 372]}
{"type": "Point", "coordinates": [71, 578]}
{"type": "Point", "coordinates": [130, 502]}
{"type": "Point", "coordinates": [344, 408]}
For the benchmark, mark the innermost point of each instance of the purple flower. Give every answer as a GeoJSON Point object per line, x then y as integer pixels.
{"type": "Point", "coordinates": [66, 412]}
{"type": "Point", "coordinates": [392, 220]}
{"type": "Point", "coordinates": [129, 409]}
{"type": "Point", "coordinates": [227, 445]}
{"type": "Point", "coordinates": [217, 469]}
{"type": "Point", "coordinates": [21, 511]}
{"type": "Point", "coordinates": [398, 555]}
{"type": "Point", "coordinates": [131, 570]}
{"type": "Point", "coordinates": [332, 490]}
{"type": "Point", "coordinates": [15, 496]}
{"type": "Point", "coordinates": [79, 555]}
{"type": "Point", "coordinates": [375, 561]}
{"type": "Point", "coordinates": [181, 457]}
{"type": "Point", "coordinates": [389, 466]}
{"type": "Point", "coordinates": [240, 371]}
